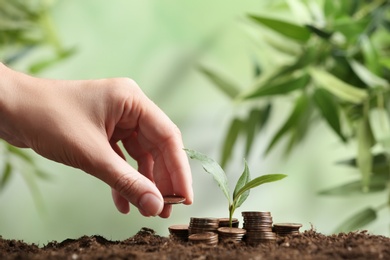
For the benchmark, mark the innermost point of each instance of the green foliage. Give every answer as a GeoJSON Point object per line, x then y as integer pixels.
{"type": "Point", "coordinates": [339, 74]}
{"type": "Point", "coordinates": [26, 26]}
{"type": "Point", "coordinates": [243, 185]}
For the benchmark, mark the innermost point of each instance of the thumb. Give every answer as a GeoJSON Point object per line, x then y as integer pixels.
{"type": "Point", "coordinates": [128, 184]}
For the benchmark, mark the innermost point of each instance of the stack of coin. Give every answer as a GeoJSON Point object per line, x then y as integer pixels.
{"type": "Point", "coordinates": [201, 225]}
{"type": "Point", "coordinates": [206, 238]}
{"type": "Point", "coordinates": [285, 229]}
{"type": "Point", "coordinates": [224, 222]}
{"type": "Point", "coordinates": [179, 232]}
{"type": "Point", "coordinates": [258, 226]}
{"type": "Point", "coordinates": [231, 234]}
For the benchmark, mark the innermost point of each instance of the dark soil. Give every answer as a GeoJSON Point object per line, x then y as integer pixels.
{"type": "Point", "coordinates": [147, 245]}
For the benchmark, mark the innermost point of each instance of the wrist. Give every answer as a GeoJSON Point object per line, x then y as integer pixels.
{"type": "Point", "coordinates": [10, 85]}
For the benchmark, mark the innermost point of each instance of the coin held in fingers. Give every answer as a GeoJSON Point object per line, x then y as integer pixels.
{"type": "Point", "coordinates": [173, 199]}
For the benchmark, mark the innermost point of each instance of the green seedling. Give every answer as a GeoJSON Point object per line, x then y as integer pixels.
{"type": "Point", "coordinates": [243, 185]}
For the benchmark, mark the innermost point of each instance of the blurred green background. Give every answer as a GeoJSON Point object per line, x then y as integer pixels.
{"type": "Point", "coordinates": [159, 44]}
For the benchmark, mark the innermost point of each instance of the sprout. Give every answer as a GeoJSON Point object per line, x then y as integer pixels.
{"type": "Point", "coordinates": [243, 185]}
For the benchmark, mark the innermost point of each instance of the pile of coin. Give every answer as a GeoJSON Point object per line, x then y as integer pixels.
{"type": "Point", "coordinates": [201, 225]}
{"type": "Point", "coordinates": [224, 222]}
{"type": "Point", "coordinates": [179, 232]}
{"type": "Point", "coordinates": [231, 234]}
{"type": "Point", "coordinates": [258, 226]}
{"type": "Point", "coordinates": [205, 238]}
{"type": "Point", "coordinates": [285, 229]}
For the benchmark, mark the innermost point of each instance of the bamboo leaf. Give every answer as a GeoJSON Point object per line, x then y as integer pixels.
{"type": "Point", "coordinates": [329, 110]}
{"type": "Point", "coordinates": [34, 189]}
{"type": "Point", "coordinates": [380, 125]}
{"type": "Point", "coordinates": [338, 87]}
{"type": "Point", "coordinates": [385, 62]}
{"type": "Point", "coordinates": [289, 30]}
{"type": "Point", "coordinates": [319, 32]}
{"type": "Point", "coordinates": [6, 176]}
{"type": "Point", "coordinates": [380, 164]}
{"type": "Point", "coordinates": [242, 181]}
{"type": "Point", "coordinates": [282, 87]}
{"type": "Point", "coordinates": [367, 76]}
{"type": "Point", "coordinates": [364, 156]}
{"type": "Point", "coordinates": [230, 140]}
{"type": "Point", "coordinates": [370, 54]}
{"type": "Point", "coordinates": [301, 105]}
{"type": "Point", "coordinates": [259, 181]}
{"type": "Point", "coordinates": [213, 168]}
{"type": "Point", "coordinates": [307, 57]}
{"type": "Point", "coordinates": [250, 127]}
{"type": "Point", "coordinates": [355, 187]}
{"type": "Point", "coordinates": [225, 86]}
{"type": "Point", "coordinates": [265, 115]}
{"type": "Point", "coordinates": [358, 220]}
{"type": "Point", "coordinates": [349, 27]}
{"type": "Point", "coordinates": [20, 153]}
{"type": "Point", "coordinates": [44, 64]}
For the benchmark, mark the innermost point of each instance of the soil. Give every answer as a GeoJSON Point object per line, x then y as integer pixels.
{"type": "Point", "coordinates": [148, 245]}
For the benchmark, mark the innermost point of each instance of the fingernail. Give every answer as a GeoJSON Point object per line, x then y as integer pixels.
{"type": "Point", "coordinates": [151, 204]}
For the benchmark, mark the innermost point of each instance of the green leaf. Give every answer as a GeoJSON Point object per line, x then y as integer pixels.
{"type": "Point", "coordinates": [213, 168]}
{"type": "Point", "coordinates": [370, 54]}
{"type": "Point", "coordinates": [307, 57]}
{"type": "Point", "coordinates": [380, 125]}
{"type": "Point", "coordinates": [225, 86]}
{"type": "Point", "coordinates": [367, 76]}
{"type": "Point", "coordinates": [6, 175]}
{"type": "Point", "coordinates": [319, 32]}
{"type": "Point", "coordinates": [265, 115]}
{"type": "Point", "coordinates": [289, 30]}
{"type": "Point", "coordinates": [380, 164]}
{"type": "Point", "coordinates": [301, 105]}
{"type": "Point", "coordinates": [378, 183]}
{"type": "Point", "coordinates": [230, 140]}
{"type": "Point", "coordinates": [338, 87]}
{"type": "Point", "coordinates": [329, 110]}
{"type": "Point", "coordinates": [350, 28]}
{"type": "Point", "coordinates": [385, 62]}
{"type": "Point", "coordinates": [386, 24]}
{"type": "Point", "coordinates": [281, 87]}
{"type": "Point", "coordinates": [259, 181]}
{"type": "Point", "coordinates": [41, 65]}
{"type": "Point", "coordinates": [358, 220]}
{"type": "Point", "coordinates": [242, 181]}
{"type": "Point", "coordinates": [364, 158]}
{"type": "Point", "coordinates": [20, 153]}
{"type": "Point", "coordinates": [250, 127]}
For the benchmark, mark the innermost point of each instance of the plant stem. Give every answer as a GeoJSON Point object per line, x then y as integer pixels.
{"type": "Point", "coordinates": [231, 211]}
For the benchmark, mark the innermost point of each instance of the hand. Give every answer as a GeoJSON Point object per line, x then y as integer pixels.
{"type": "Point", "coordinates": [79, 123]}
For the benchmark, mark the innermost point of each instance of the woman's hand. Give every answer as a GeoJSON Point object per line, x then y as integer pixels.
{"type": "Point", "coordinates": [81, 123]}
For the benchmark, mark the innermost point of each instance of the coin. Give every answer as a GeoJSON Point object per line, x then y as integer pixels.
{"type": "Point", "coordinates": [173, 199]}
{"type": "Point", "coordinates": [207, 238]}
{"type": "Point", "coordinates": [224, 222]}
{"type": "Point", "coordinates": [285, 229]}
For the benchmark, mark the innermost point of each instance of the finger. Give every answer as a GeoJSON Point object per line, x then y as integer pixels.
{"type": "Point", "coordinates": [129, 183]}
{"type": "Point", "coordinates": [120, 202]}
{"type": "Point", "coordinates": [166, 212]}
{"type": "Point", "coordinates": [158, 134]}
